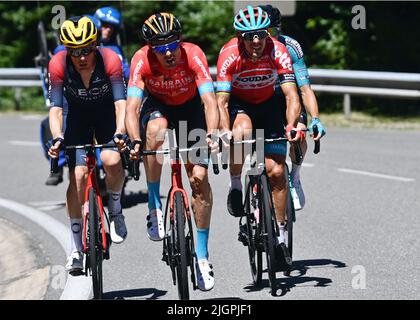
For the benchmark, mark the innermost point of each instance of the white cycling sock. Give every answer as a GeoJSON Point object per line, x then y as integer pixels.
{"type": "Point", "coordinates": [235, 182]}
{"type": "Point", "coordinates": [114, 202]}
{"type": "Point", "coordinates": [295, 172]}
{"type": "Point", "coordinates": [281, 239]}
{"type": "Point", "coordinates": [76, 229]}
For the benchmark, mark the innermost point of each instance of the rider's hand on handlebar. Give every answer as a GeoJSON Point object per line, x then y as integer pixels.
{"type": "Point", "coordinates": [135, 149]}
{"type": "Point", "coordinates": [321, 129]}
{"type": "Point", "coordinates": [213, 142]}
{"type": "Point", "coordinates": [55, 145]}
{"type": "Point", "coordinates": [289, 129]}
{"type": "Point", "coordinates": [120, 140]}
{"type": "Point", "coordinates": [226, 137]}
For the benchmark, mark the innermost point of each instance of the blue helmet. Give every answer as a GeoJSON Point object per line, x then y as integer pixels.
{"type": "Point", "coordinates": [110, 16]}
{"type": "Point", "coordinates": [95, 21]}
{"type": "Point", "coordinates": [251, 18]}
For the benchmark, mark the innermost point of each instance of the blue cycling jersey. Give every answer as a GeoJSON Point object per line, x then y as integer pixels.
{"type": "Point", "coordinates": [298, 60]}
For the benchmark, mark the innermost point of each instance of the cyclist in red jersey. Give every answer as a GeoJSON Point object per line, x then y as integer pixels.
{"type": "Point", "coordinates": [177, 80]}
{"type": "Point", "coordinates": [247, 70]}
{"type": "Point", "coordinates": [91, 80]}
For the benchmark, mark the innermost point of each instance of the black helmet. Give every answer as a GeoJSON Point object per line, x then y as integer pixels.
{"type": "Point", "coordinates": [274, 15]}
{"type": "Point", "coordinates": [161, 26]}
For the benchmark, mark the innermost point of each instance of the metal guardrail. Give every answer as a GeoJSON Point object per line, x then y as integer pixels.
{"type": "Point", "coordinates": [343, 82]}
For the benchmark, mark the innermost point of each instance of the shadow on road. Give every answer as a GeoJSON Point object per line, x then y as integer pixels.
{"type": "Point", "coordinates": [135, 293]}
{"type": "Point", "coordinates": [297, 276]}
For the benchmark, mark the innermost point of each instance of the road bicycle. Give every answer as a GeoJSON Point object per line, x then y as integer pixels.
{"type": "Point", "coordinates": [96, 237]}
{"type": "Point", "coordinates": [178, 243]}
{"type": "Point", "coordinates": [260, 230]}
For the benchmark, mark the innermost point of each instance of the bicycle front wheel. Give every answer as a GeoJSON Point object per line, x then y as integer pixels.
{"type": "Point", "coordinates": [95, 245]}
{"type": "Point", "coordinates": [178, 231]}
{"type": "Point", "coordinates": [252, 230]}
{"type": "Point", "coordinates": [269, 219]}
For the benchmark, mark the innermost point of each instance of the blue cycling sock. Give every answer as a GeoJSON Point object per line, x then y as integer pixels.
{"type": "Point", "coordinates": [154, 196]}
{"type": "Point", "coordinates": [202, 240]}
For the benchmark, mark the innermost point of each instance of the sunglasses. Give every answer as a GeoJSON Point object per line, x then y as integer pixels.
{"type": "Point", "coordinates": [249, 36]}
{"type": "Point", "coordinates": [81, 51]}
{"type": "Point", "coordinates": [161, 49]}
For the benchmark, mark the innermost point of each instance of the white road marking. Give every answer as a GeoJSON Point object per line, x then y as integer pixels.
{"type": "Point", "coordinates": [376, 175]}
{"type": "Point", "coordinates": [33, 117]}
{"type": "Point", "coordinates": [47, 203]}
{"type": "Point", "coordinates": [308, 165]}
{"type": "Point", "coordinates": [77, 288]}
{"type": "Point", "coordinates": [25, 143]}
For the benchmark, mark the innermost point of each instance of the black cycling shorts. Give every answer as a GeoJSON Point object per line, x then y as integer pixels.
{"type": "Point", "coordinates": [82, 123]}
{"type": "Point", "coordinates": [184, 119]}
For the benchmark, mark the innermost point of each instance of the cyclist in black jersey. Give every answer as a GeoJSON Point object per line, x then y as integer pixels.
{"type": "Point", "coordinates": [92, 82]}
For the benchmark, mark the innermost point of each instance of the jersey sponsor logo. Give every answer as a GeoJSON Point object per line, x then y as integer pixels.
{"type": "Point", "coordinates": [90, 94]}
{"type": "Point", "coordinates": [296, 47]}
{"type": "Point", "coordinates": [284, 59]}
{"type": "Point", "coordinates": [250, 80]}
{"type": "Point", "coordinates": [136, 71]}
{"type": "Point", "coordinates": [229, 60]}
{"type": "Point", "coordinates": [201, 65]}
{"type": "Point", "coordinates": [170, 84]}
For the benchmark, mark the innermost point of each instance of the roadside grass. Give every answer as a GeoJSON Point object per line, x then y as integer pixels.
{"type": "Point", "coordinates": [364, 120]}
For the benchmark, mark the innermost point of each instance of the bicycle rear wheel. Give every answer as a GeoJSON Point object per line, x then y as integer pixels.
{"type": "Point", "coordinates": [178, 231]}
{"type": "Point", "coordinates": [252, 229]}
{"type": "Point", "coordinates": [95, 245]}
{"type": "Point", "coordinates": [269, 219]}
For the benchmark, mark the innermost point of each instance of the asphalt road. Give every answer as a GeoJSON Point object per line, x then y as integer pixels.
{"type": "Point", "coordinates": [357, 237]}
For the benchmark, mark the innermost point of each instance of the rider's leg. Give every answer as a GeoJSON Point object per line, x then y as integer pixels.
{"type": "Point", "coordinates": [75, 199]}
{"type": "Point", "coordinates": [276, 172]}
{"type": "Point", "coordinates": [155, 133]}
{"type": "Point", "coordinates": [241, 129]}
{"type": "Point", "coordinates": [114, 179]}
{"type": "Point", "coordinates": [297, 193]}
{"type": "Point", "coordinates": [201, 203]}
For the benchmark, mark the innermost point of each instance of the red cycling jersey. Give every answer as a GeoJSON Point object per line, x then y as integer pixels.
{"type": "Point", "coordinates": [173, 86]}
{"type": "Point", "coordinates": [253, 82]}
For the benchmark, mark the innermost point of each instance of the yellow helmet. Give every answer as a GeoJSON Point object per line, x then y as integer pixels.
{"type": "Point", "coordinates": [78, 32]}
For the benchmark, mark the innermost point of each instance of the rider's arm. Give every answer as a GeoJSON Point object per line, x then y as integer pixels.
{"type": "Point", "coordinates": [55, 93]}
{"type": "Point", "coordinates": [302, 77]}
{"type": "Point", "coordinates": [135, 96]}
{"type": "Point", "coordinates": [223, 104]}
{"type": "Point", "coordinates": [198, 63]}
{"type": "Point", "coordinates": [56, 120]}
{"type": "Point", "coordinates": [113, 69]}
{"type": "Point", "coordinates": [224, 84]}
{"type": "Point", "coordinates": [292, 103]}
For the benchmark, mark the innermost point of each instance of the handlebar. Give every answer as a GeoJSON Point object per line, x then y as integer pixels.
{"type": "Point", "coordinates": [136, 169]}
{"type": "Point", "coordinates": [54, 161]}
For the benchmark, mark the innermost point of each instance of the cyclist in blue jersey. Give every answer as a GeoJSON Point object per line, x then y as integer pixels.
{"type": "Point", "coordinates": [111, 24]}
{"type": "Point", "coordinates": [307, 95]}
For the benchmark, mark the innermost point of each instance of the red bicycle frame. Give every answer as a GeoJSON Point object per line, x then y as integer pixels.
{"type": "Point", "coordinates": [91, 162]}
{"type": "Point", "coordinates": [176, 173]}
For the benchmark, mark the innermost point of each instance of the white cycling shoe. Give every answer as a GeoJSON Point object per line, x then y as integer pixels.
{"type": "Point", "coordinates": [155, 229]}
{"type": "Point", "coordinates": [118, 228]}
{"type": "Point", "coordinates": [205, 275]}
{"type": "Point", "coordinates": [75, 262]}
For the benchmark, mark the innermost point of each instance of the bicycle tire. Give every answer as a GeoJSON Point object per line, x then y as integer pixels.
{"type": "Point", "coordinates": [95, 245]}
{"type": "Point", "coordinates": [254, 251]}
{"type": "Point", "coordinates": [269, 219]}
{"type": "Point", "coordinates": [181, 247]}
{"type": "Point", "coordinates": [290, 213]}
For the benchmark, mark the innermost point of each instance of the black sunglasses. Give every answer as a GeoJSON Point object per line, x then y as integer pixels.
{"type": "Point", "coordinates": [250, 35]}
{"type": "Point", "coordinates": [81, 51]}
